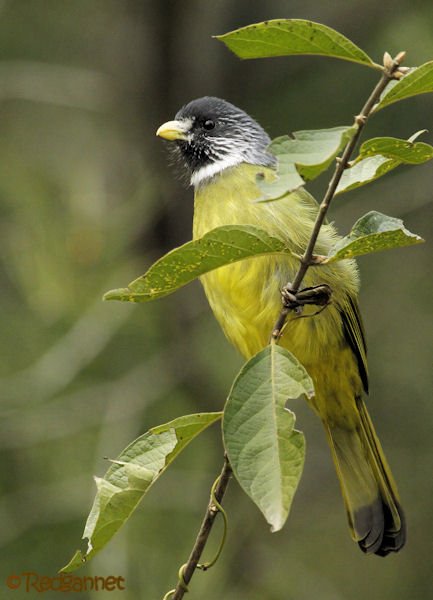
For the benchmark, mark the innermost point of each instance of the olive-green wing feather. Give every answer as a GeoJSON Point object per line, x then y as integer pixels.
{"type": "Point", "coordinates": [354, 334]}
{"type": "Point", "coordinates": [350, 315]}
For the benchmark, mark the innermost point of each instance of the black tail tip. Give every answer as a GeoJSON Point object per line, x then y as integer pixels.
{"type": "Point", "coordinates": [391, 537]}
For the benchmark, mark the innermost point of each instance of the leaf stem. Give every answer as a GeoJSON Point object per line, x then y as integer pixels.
{"type": "Point", "coordinates": [342, 162]}
{"type": "Point", "coordinates": [187, 571]}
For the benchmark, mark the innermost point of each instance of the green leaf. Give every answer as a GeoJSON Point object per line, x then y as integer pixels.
{"type": "Point", "coordinates": [378, 156]}
{"type": "Point", "coordinates": [319, 148]}
{"type": "Point", "coordinates": [312, 151]}
{"type": "Point", "coordinates": [284, 37]}
{"type": "Point", "coordinates": [417, 81]}
{"type": "Point", "coordinates": [372, 233]}
{"type": "Point", "coordinates": [130, 477]}
{"type": "Point", "coordinates": [304, 155]}
{"type": "Point", "coordinates": [265, 451]}
{"type": "Point", "coordinates": [219, 247]}
{"type": "Point", "coordinates": [364, 172]}
{"type": "Point", "coordinates": [404, 151]}
{"type": "Point", "coordinates": [287, 180]}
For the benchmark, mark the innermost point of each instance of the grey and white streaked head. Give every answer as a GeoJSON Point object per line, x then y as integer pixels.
{"type": "Point", "coordinates": [212, 135]}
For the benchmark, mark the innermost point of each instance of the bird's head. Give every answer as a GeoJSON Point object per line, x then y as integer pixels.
{"type": "Point", "coordinates": [212, 135]}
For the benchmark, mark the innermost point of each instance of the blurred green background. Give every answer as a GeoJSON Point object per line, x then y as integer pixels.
{"type": "Point", "coordinates": [88, 201]}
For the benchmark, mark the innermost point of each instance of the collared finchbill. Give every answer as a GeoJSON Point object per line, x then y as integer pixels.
{"type": "Point", "coordinates": [174, 130]}
{"type": "Point", "coordinates": [224, 150]}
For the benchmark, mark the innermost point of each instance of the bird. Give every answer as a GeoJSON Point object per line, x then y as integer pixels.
{"type": "Point", "coordinates": [225, 152]}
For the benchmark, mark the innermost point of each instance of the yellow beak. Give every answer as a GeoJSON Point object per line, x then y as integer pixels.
{"type": "Point", "coordinates": [174, 130]}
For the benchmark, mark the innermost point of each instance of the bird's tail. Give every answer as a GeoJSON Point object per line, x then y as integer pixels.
{"type": "Point", "coordinates": [370, 494]}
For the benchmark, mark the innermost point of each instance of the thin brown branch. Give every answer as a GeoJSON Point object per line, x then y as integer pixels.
{"type": "Point", "coordinates": [388, 73]}
{"type": "Point", "coordinates": [188, 570]}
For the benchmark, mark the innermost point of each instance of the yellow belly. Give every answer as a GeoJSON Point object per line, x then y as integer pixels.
{"type": "Point", "coordinates": [245, 297]}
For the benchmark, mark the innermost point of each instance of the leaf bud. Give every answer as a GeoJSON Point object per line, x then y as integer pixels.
{"type": "Point", "coordinates": [388, 61]}
{"type": "Point", "coordinates": [400, 57]}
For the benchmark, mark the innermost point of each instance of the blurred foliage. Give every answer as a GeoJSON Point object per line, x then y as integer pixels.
{"type": "Point", "coordinates": [87, 202]}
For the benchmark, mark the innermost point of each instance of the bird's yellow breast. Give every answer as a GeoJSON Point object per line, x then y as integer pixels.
{"type": "Point", "coordinates": [245, 297]}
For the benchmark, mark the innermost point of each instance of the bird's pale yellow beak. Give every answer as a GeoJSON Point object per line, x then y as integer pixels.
{"type": "Point", "coordinates": [174, 130]}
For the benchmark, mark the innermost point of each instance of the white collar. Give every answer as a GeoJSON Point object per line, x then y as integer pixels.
{"type": "Point", "coordinates": [208, 171]}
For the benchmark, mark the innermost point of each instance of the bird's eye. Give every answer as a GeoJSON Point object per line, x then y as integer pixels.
{"type": "Point", "coordinates": [209, 124]}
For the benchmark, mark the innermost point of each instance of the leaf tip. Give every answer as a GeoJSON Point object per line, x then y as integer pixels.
{"type": "Point", "coordinates": [75, 563]}
{"type": "Point", "coordinates": [117, 294]}
{"type": "Point", "coordinates": [419, 239]}
{"type": "Point", "coordinates": [277, 520]}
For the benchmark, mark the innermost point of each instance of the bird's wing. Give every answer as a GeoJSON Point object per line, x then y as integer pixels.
{"type": "Point", "coordinates": [350, 315]}
{"type": "Point", "coordinates": [354, 334]}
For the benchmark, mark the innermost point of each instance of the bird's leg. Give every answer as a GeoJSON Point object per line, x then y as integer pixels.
{"type": "Point", "coordinates": [319, 295]}
{"type": "Point", "coordinates": [289, 299]}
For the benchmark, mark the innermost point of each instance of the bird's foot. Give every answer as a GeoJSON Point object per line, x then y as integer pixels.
{"type": "Point", "coordinates": [318, 295]}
